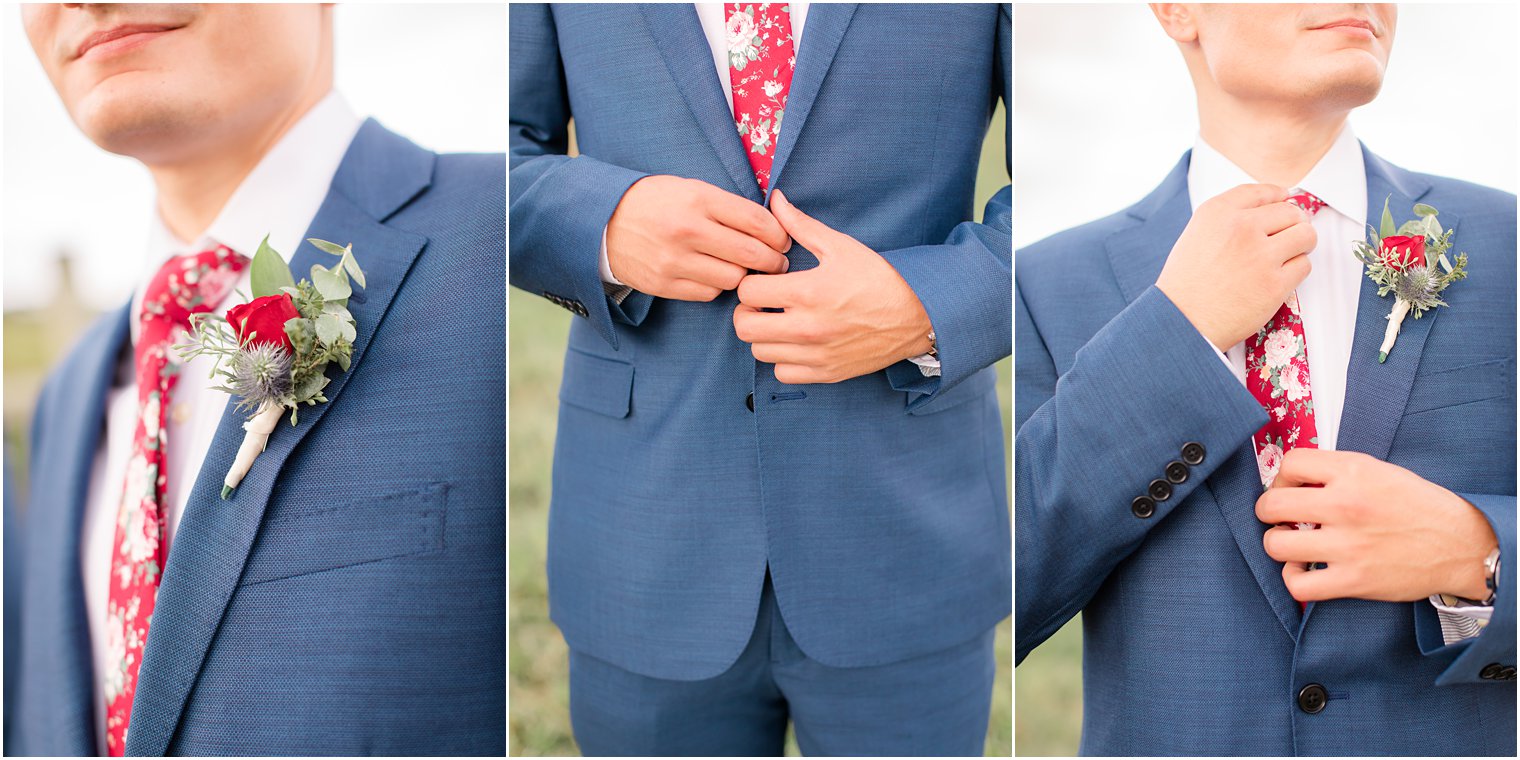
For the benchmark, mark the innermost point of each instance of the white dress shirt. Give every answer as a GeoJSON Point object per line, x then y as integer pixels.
{"type": "Point", "coordinates": [280, 197]}
{"type": "Point", "coordinates": [1328, 297]}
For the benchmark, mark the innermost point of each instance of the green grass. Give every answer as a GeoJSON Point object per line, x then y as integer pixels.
{"type": "Point", "coordinates": [1048, 689]}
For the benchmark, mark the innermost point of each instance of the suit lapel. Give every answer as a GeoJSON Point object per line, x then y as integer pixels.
{"type": "Point", "coordinates": [55, 586]}
{"type": "Point", "coordinates": [379, 174]}
{"type": "Point", "coordinates": [826, 24]}
{"type": "Point", "coordinates": [1377, 393]}
{"type": "Point", "coordinates": [678, 35]}
{"type": "Point", "coordinates": [1136, 256]}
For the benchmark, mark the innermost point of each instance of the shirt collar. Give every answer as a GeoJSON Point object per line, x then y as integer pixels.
{"type": "Point", "coordinates": [1339, 178]}
{"type": "Point", "coordinates": [282, 194]}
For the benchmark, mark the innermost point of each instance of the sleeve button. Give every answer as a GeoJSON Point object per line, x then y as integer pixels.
{"type": "Point", "coordinates": [1159, 489]}
{"type": "Point", "coordinates": [1192, 453]}
{"type": "Point", "coordinates": [1143, 507]}
{"type": "Point", "coordinates": [1176, 472]}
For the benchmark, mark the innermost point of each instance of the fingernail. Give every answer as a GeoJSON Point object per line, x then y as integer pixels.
{"type": "Point", "coordinates": [785, 265]}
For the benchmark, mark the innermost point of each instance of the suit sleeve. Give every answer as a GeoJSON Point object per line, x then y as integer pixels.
{"type": "Point", "coordinates": [1483, 658]}
{"type": "Point", "coordinates": [559, 205]}
{"type": "Point", "coordinates": [1090, 440]}
{"type": "Point", "coordinates": [964, 283]}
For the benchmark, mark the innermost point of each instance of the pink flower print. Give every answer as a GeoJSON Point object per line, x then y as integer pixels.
{"type": "Point", "coordinates": [1268, 462]}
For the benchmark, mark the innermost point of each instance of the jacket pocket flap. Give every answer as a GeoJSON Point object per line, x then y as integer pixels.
{"type": "Point", "coordinates": [596, 384]}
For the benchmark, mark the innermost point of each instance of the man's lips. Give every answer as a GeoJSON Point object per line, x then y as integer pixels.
{"type": "Point", "coordinates": [1354, 26]}
{"type": "Point", "coordinates": [121, 38]}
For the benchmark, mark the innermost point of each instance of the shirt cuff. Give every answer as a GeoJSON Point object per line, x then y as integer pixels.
{"type": "Point", "coordinates": [1460, 619]}
{"type": "Point", "coordinates": [927, 364]}
{"type": "Point", "coordinates": [615, 289]}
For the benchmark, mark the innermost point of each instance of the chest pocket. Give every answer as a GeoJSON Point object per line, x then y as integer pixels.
{"type": "Point", "coordinates": [395, 524]}
{"type": "Point", "coordinates": [1467, 384]}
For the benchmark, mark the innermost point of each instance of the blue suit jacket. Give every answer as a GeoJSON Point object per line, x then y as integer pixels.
{"type": "Point", "coordinates": [349, 598]}
{"type": "Point", "coordinates": [878, 503]}
{"type": "Point", "coordinates": [1192, 643]}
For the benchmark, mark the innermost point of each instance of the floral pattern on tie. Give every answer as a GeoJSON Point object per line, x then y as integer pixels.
{"type": "Point", "coordinates": [183, 286]}
{"type": "Point", "coordinates": [761, 60]}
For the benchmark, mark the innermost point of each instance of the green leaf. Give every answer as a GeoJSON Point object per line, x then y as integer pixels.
{"type": "Point", "coordinates": [268, 272]}
{"type": "Point", "coordinates": [1386, 229]}
{"type": "Point", "coordinates": [352, 265]}
{"type": "Point", "coordinates": [332, 248]}
{"type": "Point", "coordinates": [332, 286]}
{"type": "Point", "coordinates": [329, 327]}
{"type": "Point", "coordinates": [1421, 209]}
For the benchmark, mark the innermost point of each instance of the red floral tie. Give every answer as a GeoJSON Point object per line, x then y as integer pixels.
{"type": "Point", "coordinates": [1277, 374]}
{"type": "Point", "coordinates": [761, 58]}
{"type": "Point", "coordinates": [184, 285]}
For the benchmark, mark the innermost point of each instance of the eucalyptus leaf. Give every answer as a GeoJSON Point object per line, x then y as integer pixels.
{"type": "Point", "coordinates": [352, 265]}
{"type": "Point", "coordinates": [310, 387]}
{"type": "Point", "coordinates": [329, 328]}
{"type": "Point", "coordinates": [332, 248]}
{"type": "Point", "coordinates": [268, 273]}
{"type": "Point", "coordinates": [1387, 228]}
{"type": "Point", "coordinates": [338, 310]}
{"type": "Point", "coordinates": [333, 287]}
{"type": "Point", "coordinates": [1445, 263]}
{"type": "Point", "coordinates": [1420, 209]}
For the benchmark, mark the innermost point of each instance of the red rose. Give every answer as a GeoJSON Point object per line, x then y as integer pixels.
{"type": "Point", "coordinates": [1400, 252]}
{"type": "Point", "coordinates": [265, 318]}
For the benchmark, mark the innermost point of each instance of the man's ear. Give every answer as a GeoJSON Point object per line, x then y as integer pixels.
{"type": "Point", "coordinates": [1178, 20]}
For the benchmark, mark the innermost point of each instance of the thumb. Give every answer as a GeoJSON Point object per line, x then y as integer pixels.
{"type": "Point", "coordinates": [814, 235]}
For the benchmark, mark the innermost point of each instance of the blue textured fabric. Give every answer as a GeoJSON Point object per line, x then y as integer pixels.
{"type": "Point", "coordinates": [878, 503]}
{"type": "Point", "coordinates": [935, 706]}
{"type": "Point", "coordinates": [349, 599]}
{"type": "Point", "coordinates": [1192, 644]}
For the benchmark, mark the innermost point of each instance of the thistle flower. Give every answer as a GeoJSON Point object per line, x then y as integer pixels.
{"type": "Point", "coordinates": [260, 373]}
{"type": "Point", "coordinates": [1419, 286]}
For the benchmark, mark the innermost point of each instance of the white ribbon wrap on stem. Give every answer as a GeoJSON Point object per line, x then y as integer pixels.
{"type": "Point", "coordinates": [1391, 333]}
{"type": "Point", "coordinates": [258, 428]}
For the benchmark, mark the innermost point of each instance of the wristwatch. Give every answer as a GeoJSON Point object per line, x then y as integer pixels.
{"type": "Point", "coordinates": [933, 345]}
{"type": "Point", "coordinates": [1491, 575]}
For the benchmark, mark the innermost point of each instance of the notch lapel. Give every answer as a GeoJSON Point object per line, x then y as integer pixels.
{"type": "Point", "coordinates": [826, 24]}
{"type": "Point", "coordinates": [53, 579]}
{"type": "Point", "coordinates": [379, 174]}
{"type": "Point", "coordinates": [1137, 256]}
{"type": "Point", "coordinates": [678, 35]}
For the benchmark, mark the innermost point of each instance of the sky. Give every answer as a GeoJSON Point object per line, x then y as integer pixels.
{"type": "Point", "coordinates": [1103, 107]}
{"type": "Point", "coordinates": [435, 73]}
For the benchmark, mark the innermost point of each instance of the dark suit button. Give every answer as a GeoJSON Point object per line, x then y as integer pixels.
{"type": "Point", "coordinates": [1490, 671]}
{"type": "Point", "coordinates": [1159, 489]}
{"type": "Point", "coordinates": [1143, 507]}
{"type": "Point", "coordinates": [1312, 698]}
{"type": "Point", "coordinates": [749, 402]}
{"type": "Point", "coordinates": [1176, 472]}
{"type": "Point", "coordinates": [1506, 674]}
{"type": "Point", "coordinates": [1192, 453]}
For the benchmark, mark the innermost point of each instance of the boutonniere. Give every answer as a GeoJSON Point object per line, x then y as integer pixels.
{"type": "Point", "coordinates": [272, 352]}
{"type": "Point", "coordinates": [1410, 262]}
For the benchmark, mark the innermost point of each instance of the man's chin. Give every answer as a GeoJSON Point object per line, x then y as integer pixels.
{"type": "Point", "coordinates": [134, 121]}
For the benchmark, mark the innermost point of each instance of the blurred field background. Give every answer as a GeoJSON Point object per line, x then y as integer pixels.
{"type": "Point", "coordinates": [539, 693]}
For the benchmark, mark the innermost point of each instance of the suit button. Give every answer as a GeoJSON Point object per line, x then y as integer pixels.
{"type": "Point", "coordinates": [749, 402]}
{"type": "Point", "coordinates": [1192, 453]}
{"type": "Point", "coordinates": [1176, 472]}
{"type": "Point", "coordinates": [1312, 698]}
{"type": "Point", "coordinates": [1490, 671]}
{"type": "Point", "coordinates": [1143, 507]}
{"type": "Point", "coordinates": [1506, 674]}
{"type": "Point", "coordinates": [1159, 489]}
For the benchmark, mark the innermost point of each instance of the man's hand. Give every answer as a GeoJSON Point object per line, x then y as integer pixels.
{"type": "Point", "coordinates": [1385, 533]}
{"type": "Point", "coordinates": [850, 316]}
{"type": "Point", "coordinates": [1242, 253]}
{"type": "Point", "coordinates": [686, 240]}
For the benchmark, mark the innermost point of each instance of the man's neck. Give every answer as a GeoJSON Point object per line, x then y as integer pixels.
{"type": "Point", "coordinates": [192, 192]}
{"type": "Point", "coordinates": [1276, 146]}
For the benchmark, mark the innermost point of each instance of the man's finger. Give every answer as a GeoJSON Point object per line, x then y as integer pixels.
{"type": "Point", "coordinates": [797, 374]}
{"type": "Point", "coordinates": [755, 326]}
{"type": "Point", "coordinates": [739, 248]}
{"type": "Point", "coordinates": [1295, 240]}
{"type": "Point", "coordinates": [1314, 585]}
{"type": "Point", "coordinates": [1276, 217]}
{"type": "Point", "coordinates": [1251, 196]}
{"type": "Point", "coordinates": [1311, 466]}
{"type": "Point", "coordinates": [767, 291]}
{"type": "Point", "coordinates": [1292, 545]}
{"type": "Point", "coordinates": [708, 271]}
{"type": "Point", "coordinates": [785, 353]}
{"type": "Point", "coordinates": [818, 237]}
{"type": "Point", "coordinates": [747, 217]}
{"type": "Point", "coordinates": [1294, 505]}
